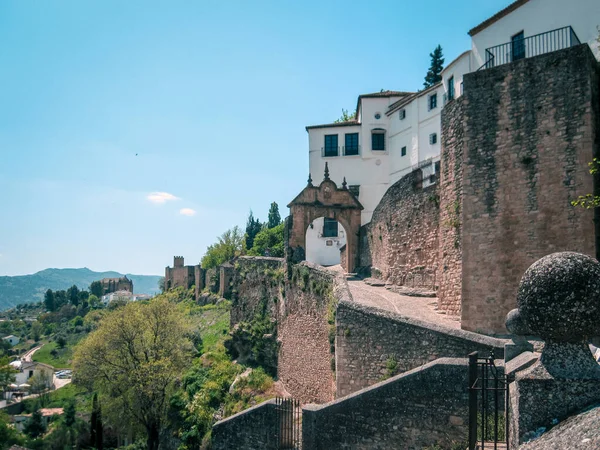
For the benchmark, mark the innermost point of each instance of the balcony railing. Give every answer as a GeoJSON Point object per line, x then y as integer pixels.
{"type": "Point", "coordinates": [328, 152]}
{"type": "Point", "coordinates": [528, 47]}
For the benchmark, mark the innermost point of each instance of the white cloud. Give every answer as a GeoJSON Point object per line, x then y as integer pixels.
{"type": "Point", "coordinates": [161, 197]}
{"type": "Point", "coordinates": [187, 212]}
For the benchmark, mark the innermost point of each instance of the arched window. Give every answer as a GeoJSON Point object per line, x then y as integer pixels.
{"type": "Point", "coordinates": [378, 139]}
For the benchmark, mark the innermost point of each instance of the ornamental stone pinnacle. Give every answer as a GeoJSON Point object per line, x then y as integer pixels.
{"type": "Point", "coordinates": [326, 172]}
{"type": "Point", "coordinates": [344, 184]}
{"type": "Point", "coordinates": [309, 180]}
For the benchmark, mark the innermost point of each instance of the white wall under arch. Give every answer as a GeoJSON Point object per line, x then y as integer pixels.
{"type": "Point", "coordinates": [317, 250]}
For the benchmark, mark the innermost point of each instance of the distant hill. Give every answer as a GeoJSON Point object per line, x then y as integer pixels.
{"type": "Point", "coordinates": [31, 288]}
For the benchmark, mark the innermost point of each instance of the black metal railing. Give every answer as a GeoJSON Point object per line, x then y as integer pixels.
{"type": "Point", "coordinates": [289, 419]}
{"type": "Point", "coordinates": [330, 151]}
{"type": "Point", "coordinates": [528, 47]}
{"type": "Point", "coordinates": [351, 150]}
{"type": "Point", "coordinates": [488, 404]}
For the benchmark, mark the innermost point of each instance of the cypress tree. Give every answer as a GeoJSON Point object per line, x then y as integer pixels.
{"type": "Point", "coordinates": [274, 217]}
{"type": "Point", "coordinates": [94, 420]}
{"type": "Point", "coordinates": [434, 74]}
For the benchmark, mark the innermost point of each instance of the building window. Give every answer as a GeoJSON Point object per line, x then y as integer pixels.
{"type": "Point", "coordinates": [518, 46]}
{"type": "Point", "coordinates": [331, 145]}
{"type": "Point", "coordinates": [403, 151]}
{"type": "Point", "coordinates": [378, 140]}
{"type": "Point", "coordinates": [433, 138]}
{"type": "Point", "coordinates": [330, 228]}
{"type": "Point", "coordinates": [354, 189]}
{"type": "Point", "coordinates": [351, 144]}
{"type": "Point", "coordinates": [402, 114]}
{"type": "Point", "coordinates": [450, 88]}
{"type": "Point", "coordinates": [432, 102]}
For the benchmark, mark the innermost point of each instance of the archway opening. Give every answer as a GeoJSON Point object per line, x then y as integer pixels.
{"type": "Point", "coordinates": [324, 240]}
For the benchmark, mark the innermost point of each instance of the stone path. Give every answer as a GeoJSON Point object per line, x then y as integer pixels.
{"type": "Point", "coordinates": [421, 308]}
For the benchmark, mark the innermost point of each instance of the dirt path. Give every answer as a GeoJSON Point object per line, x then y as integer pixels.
{"type": "Point", "coordinates": [422, 308]}
{"type": "Point", "coordinates": [27, 356]}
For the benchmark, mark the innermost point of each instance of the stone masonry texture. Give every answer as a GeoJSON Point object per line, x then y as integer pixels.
{"type": "Point", "coordinates": [368, 339]}
{"type": "Point", "coordinates": [450, 191]}
{"type": "Point", "coordinates": [417, 409]}
{"type": "Point", "coordinates": [252, 429]}
{"type": "Point", "coordinates": [529, 131]}
{"type": "Point", "coordinates": [400, 244]}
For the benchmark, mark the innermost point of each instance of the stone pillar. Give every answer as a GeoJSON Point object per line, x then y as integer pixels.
{"type": "Point", "coordinates": [558, 300]}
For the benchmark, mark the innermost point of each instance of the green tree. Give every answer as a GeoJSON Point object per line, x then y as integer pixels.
{"type": "Point", "coordinates": [269, 242]}
{"type": "Point", "coordinates": [133, 360]}
{"type": "Point", "coordinates": [253, 227]}
{"type": "Point", "coordinates": [49, 300]}
{"type": "Point", "coordinates": [61, 341]}
{"type": "Point", "coordinates": [35, 426]}
{"type": "Point", "coordinates": [36, 330]}
{"type": "Point", "coordinates": [7, 373]}
{"type": "Point", "coordinates": [274, 217]}
{"type": "Point", "coordinates": [8, 435]}
{"type": "Point", "coordinates": [434, 74]}
{"type": "Point", "coordinates": [229, 245]}
{"type": "Point", "coordinates": [94, 301]}
{"type": "Point", "coordinates": [60, 299]}
{"type": "Point", "coordinates": [345, 117]}
{"type": "Point", "coordinates": [161, 284]}
{"type": "Point", "coordinates": [96, 289]}
{"type": "Point", "coordinates": [73, 295]}
{"type": "Point", "coordinates": [96, 424]}
{"type": "Point", "coordinates": [69, 411]}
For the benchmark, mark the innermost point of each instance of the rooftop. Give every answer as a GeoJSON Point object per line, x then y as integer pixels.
{"type": "Point", "coordinates": [499, 15]}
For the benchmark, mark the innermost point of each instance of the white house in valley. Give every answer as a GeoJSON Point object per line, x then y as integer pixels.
{"type": "Point", "coordinates": [397, 132]}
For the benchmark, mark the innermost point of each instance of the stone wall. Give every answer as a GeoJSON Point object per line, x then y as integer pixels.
{"type": "Point", "coordinates": [180, 275]}
{"type": "Point", "coordinates": [199, 280]}
{"type": "Point", "coordinates": [226, 274]}
{"type": "Point", "coordinates": [256, 287]}
{"type": "Point", "coordinates": [413, 410]}
{"type": "Point", "coordinates": [251, 429]}
{"type": "Point", "coordinates": [450, 189]}
{"type": "Point", "coordinates": [305, 331]}
{"type": "Point", "coordinates": [211, 279]}
{"type": "Point", "coordinates": [400, 244]}
{"type": "Point", "coordinates": [372, 344]}
{"type": "Point", "coordinates": [530, 131]}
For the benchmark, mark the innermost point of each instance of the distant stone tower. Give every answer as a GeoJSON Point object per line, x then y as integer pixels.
{"type": "Point", "coordinates": [180, 275]}
{"type": "Point", "coordinates": [110, 285]}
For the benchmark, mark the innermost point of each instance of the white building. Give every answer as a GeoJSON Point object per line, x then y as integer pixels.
{"type": "Point", "coordinates": [396, 132]}
{"type": "Point", "coordinates": [11, 339]}
{"type": "Point", "coordinates": [118, 295]}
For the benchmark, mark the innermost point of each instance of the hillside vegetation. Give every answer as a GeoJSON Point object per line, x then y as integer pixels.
{"type": "Point", "coordinates": [30, 288]}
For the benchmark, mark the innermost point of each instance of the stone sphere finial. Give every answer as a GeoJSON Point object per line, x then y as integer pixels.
{"type": "Point", "coordinates": [559, 298]}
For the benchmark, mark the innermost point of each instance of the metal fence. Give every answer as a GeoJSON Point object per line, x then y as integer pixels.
{"type": "Point", "coordinates": [488, 404]}
{"type": "Point", "coordinates": [527, 47]}
{"type": "Point", "coordinates": [289, 418]}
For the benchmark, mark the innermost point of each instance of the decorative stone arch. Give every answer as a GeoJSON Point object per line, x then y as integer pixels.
{"type": "Point", "coordinates": [329, 201]}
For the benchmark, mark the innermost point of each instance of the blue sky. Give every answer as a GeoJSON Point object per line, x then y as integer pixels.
{"type": "Point", "coordinates": [105, 102]}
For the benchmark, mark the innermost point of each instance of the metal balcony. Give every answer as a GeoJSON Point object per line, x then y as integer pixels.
{"type": "Point", "coordinates": [528, 47]}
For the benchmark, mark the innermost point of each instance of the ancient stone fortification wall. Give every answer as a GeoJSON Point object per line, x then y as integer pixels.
{"type": "Point", "coordinates": [529, 133]}
{"type": "Point", "coordinates": [401, 241]}
{"type": "Point", "coordinates": [306, 331]}
{"type": "Point", "coordinates": [414, 410]}
{"type": "Point", "coordinates": [211, 279]}
{"type": "Point", "coordinates": [450, 190]}
{"type": "Point", "coordinates": [372, 344]}
{"type": "Point", "coordinates": [256, 287]}
{"type": "Point", "coordinates": [251, 429]}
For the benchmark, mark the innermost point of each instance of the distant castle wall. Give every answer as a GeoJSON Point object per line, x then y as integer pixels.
{"type": "Point", "coordinates": [180, 275]}
{"type": "Point", "coordinates": [110, 285]}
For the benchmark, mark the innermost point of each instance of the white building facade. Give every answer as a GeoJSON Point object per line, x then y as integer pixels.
{"type": "Point", "coordinates": [396, 132]}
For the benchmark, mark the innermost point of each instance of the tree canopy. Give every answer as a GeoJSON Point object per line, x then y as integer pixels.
{"type": "Point", "coordinates": [253, 227]}
{"type": "Point", "coordinates": [345, 117]}
{"type": "Point", "coordinates": [434, 74]}
{"type": "Point", "coordinates": [229, 245]}
{"type": "Point", "coordinates": [274, 217]}
{"type": "Point", "coordinates": [133, 360]}
{"type": "Point", "coordinates": [269, 242]}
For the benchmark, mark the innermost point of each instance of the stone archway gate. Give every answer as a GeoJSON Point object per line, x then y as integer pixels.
{"type": "Point", "coordinates": [329, 201]}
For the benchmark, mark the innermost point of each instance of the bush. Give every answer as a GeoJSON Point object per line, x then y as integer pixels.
{"type": "Point", "coordinates": [270, 239]}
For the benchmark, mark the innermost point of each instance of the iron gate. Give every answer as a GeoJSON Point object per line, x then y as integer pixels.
{"type": "Point", "coordinates": [488, 404]}
{"type": "Point", "coordinates": [289, 418]}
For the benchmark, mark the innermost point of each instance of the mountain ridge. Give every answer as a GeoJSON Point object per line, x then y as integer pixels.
{"type": "Point", "coordinates": [15, 290]}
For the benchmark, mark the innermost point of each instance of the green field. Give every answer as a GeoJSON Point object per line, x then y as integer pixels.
{"type": "Point", "coordinates": [61, 361]}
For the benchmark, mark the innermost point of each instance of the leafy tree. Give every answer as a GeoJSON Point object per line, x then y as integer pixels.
{"type": "Point", "coordinates": [94, 301]}
{"type": "Point", "coordinates": [253, 227]}
{"type": "Point", "coordinates": [7, 373]}
{"type": "Point", "coordinates": [35, 426]}
{"type": "Point", "coordinates": [96, 424]}
{"type": "Point", "coordinates": [96, 289]}
{"type": "Point", "coordinates": [345, 117]}
{"type": "Point", "coordinates": [229, 245]}
{"type": "Point", "coordinates": [434, 74]}
{"type": "Point", "coordinates": [36, 330]}
{"type": "Point", "coordinates": [61, 341]}
{"type": "Point", "coordinates": [134, 359]}
{"type": "Point", "coordinates": [161, 284]}
{"type": "Point", "coordinates": [73, 295]}
{"type": "Point", "coordinates": [69, 411]}
{"type": "Point", "coordinates": [274, 217]}
{"type": "Point", "coordinates": [60, 299]}
{"type": "Point", "coordinates": [270, 239]}
{"type": "Point", "coordinates": [8, 435]}
{"type": "Point", "coordinates": [49, 300]}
